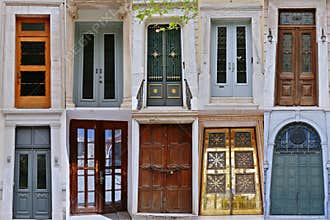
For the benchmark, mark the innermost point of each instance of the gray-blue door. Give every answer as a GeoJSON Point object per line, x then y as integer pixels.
{"type": "Point", "coordinates": [99, 64]}
{"type": "Point", "coordinates": [231, 59]}
{"type": "Point", "coordinates": [297, 174]}
{"type": "Point", "coordinates": [32, 188]}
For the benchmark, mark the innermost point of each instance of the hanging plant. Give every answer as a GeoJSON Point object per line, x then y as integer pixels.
{"type": "Point", "coordinates": [148, 8]}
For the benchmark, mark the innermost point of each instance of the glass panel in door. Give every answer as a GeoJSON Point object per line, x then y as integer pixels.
{"type": "Point", "coordinates": [109, 67]}
{"type": "Point", "coordinates": [88, 67]}
{"type": "Point", "coordinates": [113, 169]}
{"type": "Point", "coordinates": [86, 195]}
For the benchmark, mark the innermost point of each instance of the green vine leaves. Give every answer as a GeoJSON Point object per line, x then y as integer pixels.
{"type": "Point", "coordinates": [148, 8]}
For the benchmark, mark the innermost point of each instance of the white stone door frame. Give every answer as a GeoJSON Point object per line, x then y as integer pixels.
{"type": "Point", "coordinates": [252, 14]}
{"type": "Point", "coordinates": [271, 47]}
{"type": "Point", "coordinates": [59, 161]}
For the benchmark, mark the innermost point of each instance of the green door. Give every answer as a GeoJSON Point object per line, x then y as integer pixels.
{"type": "Point", "coordinates": [297, 174]}
{"type": "Point", "coordinates": [164, 67]}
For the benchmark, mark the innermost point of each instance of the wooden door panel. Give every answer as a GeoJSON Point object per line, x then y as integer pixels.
{"type": "Point", "coordinates": [165, 168]}
{"type": "Point", "coordinates": [286, 68]}
{"type": "Point", "coordinates": [94, 156]}
{"type": "Point", "coordinates": [296, 67]}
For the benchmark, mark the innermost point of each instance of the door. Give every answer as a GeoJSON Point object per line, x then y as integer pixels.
{"type": "Point", "coordinates": [297, 186]}
{"type": "Point", "coordinates": [164, 69]}
{"type": "Point", "coordinates": [231, 59]}
{"type": "Point", "coordinates": [230, 175]}
{"type": "Point", "coordinates": [165, 169]}
{"type": "Point", "coordinates": [99, 65]}
{"type": "Point", "coordinates": [296, 61]}
{"type": "Point", "coordinates": [98, 163]}
{"type": "Point", "coordinates": [32, 63]}
{"type": "Point", "coordinates": [32, 188]}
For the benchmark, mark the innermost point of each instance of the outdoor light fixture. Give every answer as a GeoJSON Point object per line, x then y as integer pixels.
{"type": "Point", "coordinates": [270, 36]}
{"type": "Point", "coordinates": [323, 36]}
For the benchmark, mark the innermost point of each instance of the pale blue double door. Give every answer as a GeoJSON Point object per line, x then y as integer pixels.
{"type": "Point", "coordinates": [231, 59]}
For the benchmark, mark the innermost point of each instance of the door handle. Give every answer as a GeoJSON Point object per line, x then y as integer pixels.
{"type": "Point", "coordinates": [233, 66]}
{"type": "Point", "coordinates": [100, 76]}
{"type": "Point", "coordinates": [229, 66]}
{"type": "Point", "coordinates": [101, 177]}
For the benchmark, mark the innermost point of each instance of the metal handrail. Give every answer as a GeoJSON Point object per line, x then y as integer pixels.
{"type": "Point", "coordinates": [139, 96]}
{"type": "Point", "coordinates": [188, 94]}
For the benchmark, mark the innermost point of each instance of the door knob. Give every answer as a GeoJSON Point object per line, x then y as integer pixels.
{"type": "Point", "coordinates": [101, 177]}
{"type": "Point", "coordinates": [171, 172]}
{"type": "Point", "coordinates": [100, 77]}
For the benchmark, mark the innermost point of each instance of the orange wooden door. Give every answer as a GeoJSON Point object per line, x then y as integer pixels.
{"type": "Point", "coordinates": [165, 169]}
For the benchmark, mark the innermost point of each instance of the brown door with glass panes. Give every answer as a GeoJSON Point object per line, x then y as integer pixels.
{"type": "Point", "coordinates": [165, 169]}
{"type": "Point", "coordinates": [98, 164]}
{"type": "Point", "coordinates": [296, 83]}
{"type": "Point", "coordinates": [32, 63]}
{"type": "Point", "coordinates": [230, 172]}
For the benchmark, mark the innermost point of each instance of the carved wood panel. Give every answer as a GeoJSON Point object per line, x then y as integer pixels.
{"type": "Point", "coordinates": [165, 181]}
{"type": "Point", "coordinates": [296, 67]}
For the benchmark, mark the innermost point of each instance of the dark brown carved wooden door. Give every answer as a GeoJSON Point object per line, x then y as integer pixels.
{"type": "Point", "coordinates": [165, 169]}
{"type": "Point", "coordinates": [296, 61]}
{"type": "Point", "coordinates": [98, 166]}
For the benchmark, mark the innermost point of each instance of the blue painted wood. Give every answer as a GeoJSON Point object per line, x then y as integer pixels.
{"type": "Point", "coordinates": [32, 188]}
{"type": "Point", "coordinates": [230, 85]}
{"type": "Point", "coordinates": [98, 31]}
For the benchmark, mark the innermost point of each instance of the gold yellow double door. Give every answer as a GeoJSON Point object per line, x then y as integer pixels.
{"type": "Point", "coordinates": [230, 173]}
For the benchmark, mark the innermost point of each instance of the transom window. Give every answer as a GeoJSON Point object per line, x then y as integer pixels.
{"type": "Point", "coordinates": [32, 63]}
{"type": "Point", "coordinates": [299, 17]}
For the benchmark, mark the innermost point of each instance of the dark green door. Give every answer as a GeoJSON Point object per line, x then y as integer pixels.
{"type": "Point", "coordinates": [297, 174]}
{"type": "Point", "coordinates": [164, 67]}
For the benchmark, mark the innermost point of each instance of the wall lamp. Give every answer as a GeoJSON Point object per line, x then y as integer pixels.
{"type": "Point", "coordinates": [323, 36]}
{"type": "Point", "coordinates": [270, 36]}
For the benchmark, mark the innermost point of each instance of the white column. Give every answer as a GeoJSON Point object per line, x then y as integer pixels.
{"type": "Point", "coordinates": [58, 177]}
{"type": "Point", "coordinates": [69, 55]}
{"type": "Point", "coordinates": [127, 70]}
{"type": "Point", "coordinates": [135, 166]}
{"type": "Point", "coordinates": [6, 207]}
{"type": "Point", "coordinates": [195, 162]}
